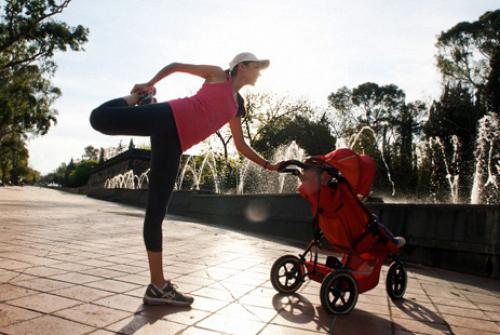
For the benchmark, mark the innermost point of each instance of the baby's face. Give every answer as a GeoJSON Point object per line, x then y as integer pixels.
{"type": "Point", "coordinates": [309, 179]}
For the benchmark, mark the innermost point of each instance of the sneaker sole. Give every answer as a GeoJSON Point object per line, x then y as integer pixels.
{"type": "Point", "coordinates": [162, 301]}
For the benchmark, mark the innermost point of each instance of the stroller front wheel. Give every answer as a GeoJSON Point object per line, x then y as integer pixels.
{"type": "Point", "coordinates": [287, 274]}
{"type": "Point", "coordinates": [339, 293]}
{"type": "Point", "coordinates": [396, 281]}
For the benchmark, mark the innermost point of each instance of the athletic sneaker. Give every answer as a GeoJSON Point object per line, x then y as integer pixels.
{"type": "Point", "coordinates": [399, 241]}
{"type": "Point", "coordinates": [167, 295]}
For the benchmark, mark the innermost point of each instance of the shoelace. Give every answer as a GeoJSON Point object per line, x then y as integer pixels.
{"type": "Point", "coordinates": [172, 285]}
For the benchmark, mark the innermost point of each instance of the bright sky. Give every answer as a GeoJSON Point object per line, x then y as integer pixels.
{"type": "Point", "coordinates": [315, 47]}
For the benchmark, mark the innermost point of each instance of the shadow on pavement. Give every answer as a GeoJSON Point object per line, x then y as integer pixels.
{"type": "Point", "coordinates": [458, 278]}
{"type": "Point", "coordinates": [149, 315]}
{"type": "Point", "coordinates": [418, 312]}
{"type": "Point", "coordinates": [298, 310]}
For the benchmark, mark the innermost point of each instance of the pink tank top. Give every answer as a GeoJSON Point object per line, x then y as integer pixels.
{"type": "Point", "coordinates": [202, 114]}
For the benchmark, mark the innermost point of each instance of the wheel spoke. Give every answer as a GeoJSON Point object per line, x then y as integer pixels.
{"type": "Point", "coordinates": [343, 300]}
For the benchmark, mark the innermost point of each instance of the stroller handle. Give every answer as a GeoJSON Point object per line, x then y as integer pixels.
{"type": "Point", "coordinates": [290, 166]}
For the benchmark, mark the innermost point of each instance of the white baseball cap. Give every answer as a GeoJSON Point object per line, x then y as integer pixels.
{"type": "Point", "coordinates": [248, 57]}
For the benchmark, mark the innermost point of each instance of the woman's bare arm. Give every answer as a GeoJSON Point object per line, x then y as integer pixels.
{"type": "Point", "coordinates": [244, 148]}
{"type": "Point", "coordinates": [210, 73]}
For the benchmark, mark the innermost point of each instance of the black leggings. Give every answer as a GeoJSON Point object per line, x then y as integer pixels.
{"type": "Point", "coordinates": [116, 117]}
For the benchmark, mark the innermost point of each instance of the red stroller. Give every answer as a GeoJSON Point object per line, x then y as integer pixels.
{"type": "Point", "coordinates": [333, 185]}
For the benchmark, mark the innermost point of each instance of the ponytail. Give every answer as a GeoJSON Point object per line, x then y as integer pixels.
{"type": "Point", "coordinates": [231, 73]}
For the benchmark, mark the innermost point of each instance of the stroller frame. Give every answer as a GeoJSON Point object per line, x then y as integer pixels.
{"type": "Point", "coordinates": [341, 281]}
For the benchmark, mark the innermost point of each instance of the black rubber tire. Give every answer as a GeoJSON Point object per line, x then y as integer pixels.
{"type": "Point", "coordinates": [288, 267]}
{"type": "Point", "coordinates": [334, 288]}
{"type": "Point", "coordinates": [396, 281]}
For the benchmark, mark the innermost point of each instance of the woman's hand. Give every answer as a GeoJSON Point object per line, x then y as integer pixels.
{"type": "Point", "coordinates": [142, 88]}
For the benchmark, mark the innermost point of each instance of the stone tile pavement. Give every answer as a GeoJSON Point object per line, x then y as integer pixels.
{"type": "Point", "coordinates": [74, 265]}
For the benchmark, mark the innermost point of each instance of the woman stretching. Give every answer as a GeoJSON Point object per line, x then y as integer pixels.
{"type": "Point", "coordinates": [173, 127]}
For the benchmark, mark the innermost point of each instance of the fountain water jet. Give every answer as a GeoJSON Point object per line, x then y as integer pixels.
{"type": "Point", "coordinates": [355, 138]}
{"type": "Point", "coordinates": [487, 159]}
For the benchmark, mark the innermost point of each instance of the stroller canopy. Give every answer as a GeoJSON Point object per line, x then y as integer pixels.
{"type": "Point", "coordinates": [359, 170]}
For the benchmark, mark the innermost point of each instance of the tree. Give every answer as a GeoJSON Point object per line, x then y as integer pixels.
{"type": "Point", "coordinates": [101, 156]}
{"type": "Point", "coordinates": [407, 126]}
{"type": "Point", "coordinates": [25, 100]}
{"type": "Point", "coordinates": [69, 168]}
{"type": "Point", "coordinates": [311, 135]}
{"type": "Point", "coordinates": [492, 89]}
{"type": "Point", "coordinates": [55, 177]}
{"type": "Point", "coordinates": [368, 104]}
{"type": "Point", "coordinates": [13, 159]}
{"type": "Point", "coordinates": [90, 153]}
{"type": "Point", "coordinates": [29, 37]}
{"type": "Point", "coordinates": [467, 50]}
{"type": "Point", "coordinates": [81, 173]}
{"type": "Point", "coordinates": [28, 33]}
{"type": "Point", "coordinates": [120, 148]}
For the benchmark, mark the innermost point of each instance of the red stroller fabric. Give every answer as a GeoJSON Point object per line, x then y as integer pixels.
{"type": "Point", "coordinates": [342, 217]}
{"type": "Point", "coordinates": [359, 170]}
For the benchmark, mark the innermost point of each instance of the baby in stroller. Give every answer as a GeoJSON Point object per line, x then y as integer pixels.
{"type": "Point", "coordinates": [335, 185]}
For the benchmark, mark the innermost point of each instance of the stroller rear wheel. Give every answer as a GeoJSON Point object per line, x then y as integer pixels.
{"type": "Point", "coordinates": [339, 293]}
{"type": "Point", "coordinates": [287, 274]}
{"type": "Point", "coordinates": [396, 281]}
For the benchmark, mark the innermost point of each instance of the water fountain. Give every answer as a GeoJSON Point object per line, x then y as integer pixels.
{"type": "Point", "coordinates": [143, 180]}
{"type": "Point", "coordinates": [128, 180]}
{"type": "Point", "coordinates": [197, 173]}
{"type": "Point", "coordinates": [451, 164]}
{"type": "Point", "coordinates": [253, 179]}
{"type": "Point", "coordinates": [486, 184]}
{"type": "Point", "coordinates": [354, 139]}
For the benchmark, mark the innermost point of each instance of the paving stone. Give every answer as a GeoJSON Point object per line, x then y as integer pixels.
{"type": "Point", "coordinates": [185, 315]}
{"type": "Point", "coordinates": [198, 331]}
{"type": "Point", "coordinates": [11, 314]}
{"type": "Point", "coordinates": [476, 324]}
{"type": "Point", "coordinates": [46, 303]}
{"type": "Point", "coordinates": [8, 292]}
{"type": "Point", "coordinates": [419, 327]}
{"type": "Point", "coordinates": [230, 325]}
{"type": "Point", "coordinates": [93, 315]}
{"type": "Point", "coordinates": [82, 293]}
{"type": "Point", "coordinates": [6, 275]}
{"type": "Point", "coordinates": [112, 285]}
{"type": "Point", "coordinates": [122, 302]}
{"type": "Point", "coordinates": [75, 278]}
{"type": "Point", "coordinates": [141, 325]}
{"type": "Point", "coordinates": [43, 271]}
{"type": "Point", "coordinates": [281, 330]}
{"type": "Point", "coordinates": [47, 325]}
{"type": "Point", "coordinates": [43, 284]}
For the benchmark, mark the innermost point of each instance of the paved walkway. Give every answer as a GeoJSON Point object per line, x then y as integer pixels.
{"type": "Point", "coordinates": [74, 265]}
